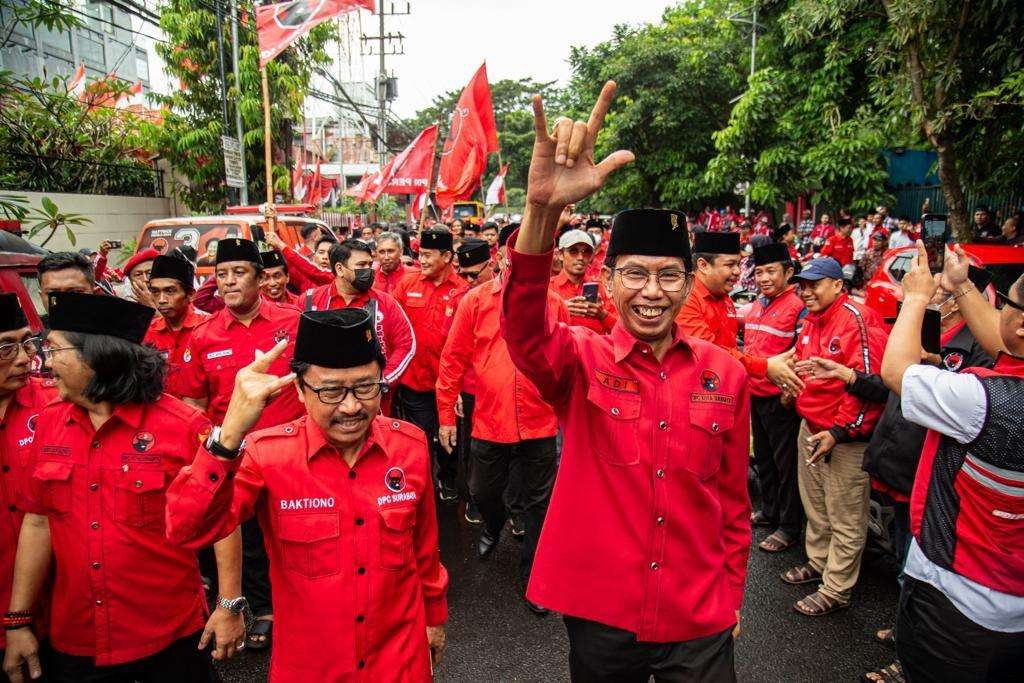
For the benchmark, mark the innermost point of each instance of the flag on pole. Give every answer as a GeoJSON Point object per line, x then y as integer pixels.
{"type": "Point", "coordinates": [76, 78]}
{"type": "Point", "coordinates": [378, 181]}
{"type": "Point", "coordinates": [298, 182]}
{"type": "Point", "coordinates": [281, 24]}
{"type": "Point", "coordinates": [496, 191]}
{"type": "Point", "coordinates": [410, 171]}
{"type": "Point", "coordinates": [472, 135]}
{"type": "Point", "coordinates": [316, 191]}
{"type": "Point", "coordinates": [359, 189]}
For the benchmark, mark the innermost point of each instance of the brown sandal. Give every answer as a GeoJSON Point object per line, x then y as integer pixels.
{"type": "Point", "coordinates": [886, 636]}
{"type": "Point", "coordinates": [801, 574]}
{"type": "Point", "coordinates": [817, 604]}
{"type": "Point", "coordinates": [889, 674]}
{"type": "Point", "coordinates": [758, 519]}
{"type": "Point", "coordinates": [777, 542]}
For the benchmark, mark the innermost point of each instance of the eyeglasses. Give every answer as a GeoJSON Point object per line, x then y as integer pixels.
{"type": "Point", "coordinates": [1003, 300]}
{"type": "Point", "coordinates": [334, 395]}
{"type": "Point", "coordinates": [471, 276]}
{"type": "Point", "coordinates": [48, 350]}
{"type": "Point", "coordinates": [637, 278]}
{"type": "Point", "coordinates": [9, 351]}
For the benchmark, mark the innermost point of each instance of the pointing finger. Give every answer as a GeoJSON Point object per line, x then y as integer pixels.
{"type": "Point", "coordinates": [604, 102]}
{"type": "Point", "coordinates": [540, 121]}
{"type": "Point", "coordinates": [264, 360]}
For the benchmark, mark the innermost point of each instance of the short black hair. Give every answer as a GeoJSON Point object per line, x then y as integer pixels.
{"type": "Point", "coordinates": [65, 260]}
{"type": "Point", "coordinates": [324, 238]}
{"type": "Point", "coordinates": [124, 372]}
{"type": "Point", "coordinates": [340, 253]}
{"type": "Point", "coordinates": [307, 229]}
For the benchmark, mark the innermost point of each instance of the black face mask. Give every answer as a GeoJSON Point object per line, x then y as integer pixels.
{"type": "Point", "coordinates": [363, 280]}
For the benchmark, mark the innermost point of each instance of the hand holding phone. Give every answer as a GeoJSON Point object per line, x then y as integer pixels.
{"type": "Point", "coordinates": [935, 233]}
{"type": "Point", "coordinates": [590, 292]}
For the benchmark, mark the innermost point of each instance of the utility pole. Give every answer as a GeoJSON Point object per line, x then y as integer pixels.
{"type": "Point", "coordinates": [754, 26]}
{"type": "Point", "coordinates": [387, 44]}
{"type": "Point", "coordinates": [223, 80]}
{"type": "Point", "coordinates": [244, 200]}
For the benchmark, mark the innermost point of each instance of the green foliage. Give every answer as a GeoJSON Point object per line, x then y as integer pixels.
{"type": "Point", "coordinates": [13, 206]}
{"type": "Point", "coordinates": [49, 219]}
{"type": "Point", "coordinates": [190, 134]}
{"type": "Point", "coordinates": [53, 16]}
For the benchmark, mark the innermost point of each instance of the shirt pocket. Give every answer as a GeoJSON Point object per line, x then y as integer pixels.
{"type": "Point", "coordinates": [139, 499]}
{"type": "Point", "coordinates": [54, 482]}
{"type": "Point", "coordinates": [614, 421]}
{"type": "Point", "coordinates": [708, 427]}
{"type": "Point", "coordinates": [309, 543]}
{"type": "Point", "coordinates": [396, 526]}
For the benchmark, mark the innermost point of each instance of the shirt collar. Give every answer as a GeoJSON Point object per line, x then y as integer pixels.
{"type": "Point", "coordinates": [191, 319]}
{"type": "Point", "coordinates": [623, 343]}
{"type": "Point", "coordinates": [1011, 365]}
{"type": "Point", "coordinates": [230, 319]}
{"type": "Point", "coordinates": [317, 443]}
{"type": "Point", "coordinates": [128, 413]}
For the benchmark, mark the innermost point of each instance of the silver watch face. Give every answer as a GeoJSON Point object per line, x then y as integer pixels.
{"type": "Point", "coordinates": [233, 605]}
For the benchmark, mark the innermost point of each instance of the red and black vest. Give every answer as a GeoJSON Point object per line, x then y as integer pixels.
{"type": "Point", "coordinates": [967, 506]}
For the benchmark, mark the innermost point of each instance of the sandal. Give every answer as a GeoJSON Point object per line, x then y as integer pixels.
{"type": "Point", "coordinates": [817, 604]}
{"type": "Point", "coordinates": [889, 674]}
{"type": "Point", "coordinates": [801, 574]}
{"type": "Point", "coordinates": [260, 635]}
{"type": "Point", "coordinates": [886, 636]}
{"type": "Point", "coordinates": [758, 519]}
{"type": "Point", "coordinates": [777, 542]}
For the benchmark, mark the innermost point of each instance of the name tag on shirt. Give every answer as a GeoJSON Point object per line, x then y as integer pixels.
{"type": "Point", "coordinates": [219, 354]}
{"type": "Point", "coordinates": [414, 295]}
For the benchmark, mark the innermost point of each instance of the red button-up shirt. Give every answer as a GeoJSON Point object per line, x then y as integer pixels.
{"type": "Point", "coordinates": [713, 318]}
{"type": "Point", "coordinates": [429, 308]}
{"type": "Point", "coordinates": [386, 282]}
{"type": "Point", "coordinates": [840, 248]}
{"type": "Point", "coordinates": [17, 431]}
{"type": "Point", "coordinates": [508, 406]}
{"type": "Point", "coordinates": [567, 289]}
{"type": "Point", "coordinates": [172, 343]}
{"type": "Point", "coordinates": [649, 524]}
{"type": "Point", "coordinates": [353, 551]}
{"type": "Point", "coordinates": [121, 591]}
{"type": "Point", "coordinates": [221, 346]}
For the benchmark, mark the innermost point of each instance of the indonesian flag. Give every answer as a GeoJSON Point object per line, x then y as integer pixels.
{"type": "Point", "coordinates": [281, 24]}
{"type": "Point", "coordinates": [417, 205]}
{"type": "Point", "coordinates": [496, 191]}
{"type": "Point", "coordinates": [316, 192]}
{"type": "Point", "coordinates": [359, 189]}
{"type": "Point", "coordinates": [471, 137]}
{"type": "Point", "coordinates": [298, 182]}
{"type": "Point", "coordinates": [410, 171]}
{"type": "Point", "coordinates": [76, 78]}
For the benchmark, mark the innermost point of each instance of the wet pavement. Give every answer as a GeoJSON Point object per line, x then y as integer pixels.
{"type": "Point", "coordinates": [492, 636]}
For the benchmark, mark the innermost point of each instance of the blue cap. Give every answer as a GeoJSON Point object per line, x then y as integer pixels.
{"type": "Point", "coordinates": [819, 269]}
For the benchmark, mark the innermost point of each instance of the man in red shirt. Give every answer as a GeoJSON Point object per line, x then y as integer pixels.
{"type": "Point", "coordinates": [274, 279]}
{"type": "Point", "coordinates": [390, 269]}
{"type": "Point", "coordinates": [346, 498]}
{"type": "Point", "coordinates": [840, 245]}
{"type": "Point", "coordinates": [595, 227]}
{"type": "Point", "coordinates": [770, 329]}
{"type": "Point", "coordinates": [577, 256]}
{"type": "Point", "coordinates": [822, 231]}
{"type": "Point", "coordinates": [645, 545]}
{"type": "Point", "coordinates": [127, 604]}
{"type": "Point", "coordinates": [429, 298]}
{"type": "Point", "coordinates": [171, 287]}
{"type": "Point", "coordinates": [834, 433]}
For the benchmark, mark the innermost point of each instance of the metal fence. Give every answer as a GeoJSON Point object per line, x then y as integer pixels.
{"type": "Point", "coordinates": [32, 173]}
{"type": "Point", "coordinates": [910, 199]}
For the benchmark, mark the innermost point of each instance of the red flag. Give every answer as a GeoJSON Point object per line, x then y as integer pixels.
{"type": "Point", "coordinates": [471, 137]}
{"type": "Point", "coordinates": [375, 187]}
{"type": "Point", "coordinates": [316, 192]}
{"type": "Point", "coordinates": [298, 183]}
{"type": "Point", "coordinates": [76, 78]}
{"type": "Point", "coordinates": [410, 171]}
{"type": "Point", "coordinates": [281, 24]}
{"type": "Point", "coordinates": [359, 189]}
{"type": "Point", "coordinates": [496, 191]}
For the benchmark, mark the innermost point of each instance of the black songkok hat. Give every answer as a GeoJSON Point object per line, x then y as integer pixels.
{"type": "Point", "coordinates": [272, 259]}
{"type": "Point", "coordinates": [99, 314]}
{"type": "Point", "coordinates": [717, 243]}
{"type": "Point", "coordinates": [506, 232]}
{"type": "Point", "coordinates": [339, 338]}
{"type": "Point", "coordinates": [473, 252]}
{"type": "Point", "coordinates": [237, 249]}
{"type": "Point", "coordinates": [650, 232]}
{"type": "Point", "coordinates": [436, 239]}
{"type": "Point", "coordinates": [771, 253]}
{"type": "Point", "coordinates": [174, 268]}
{"type": "Point", "coordinates": [11, 315]}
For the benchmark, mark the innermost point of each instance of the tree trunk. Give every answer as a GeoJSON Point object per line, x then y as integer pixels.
{"type": "Point", "coordinates": [952, 190]}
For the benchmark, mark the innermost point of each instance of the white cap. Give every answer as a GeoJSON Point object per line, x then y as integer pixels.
{"type": "Point", "coordinates": [572, 237]}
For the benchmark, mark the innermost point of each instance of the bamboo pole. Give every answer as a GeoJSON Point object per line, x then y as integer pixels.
{"type": "Point", "coordinates": [270, 212]}
{"type": "Point", "coordinates": [504, 187]}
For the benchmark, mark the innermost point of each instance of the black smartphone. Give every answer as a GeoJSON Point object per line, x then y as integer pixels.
{"type": "Point", "coordinates": [590, 292]}
{"type": "Point", "coordinates": [115, 244]}
{"type": "Point", "coordinates": [931, 330]}
{"type": "Point", "coordinates": [259, 237]}
{"type": "Point", "coordinates": [935, 233]}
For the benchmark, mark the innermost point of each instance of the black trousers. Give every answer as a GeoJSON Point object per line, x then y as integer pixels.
{"type": "Point", "coordinates": [490, 477]}
{"type": "Point", "coordinates": [179, 662]}
{"type": "Point", "coordinates": [255, 569]}
{"type": "Point", "coordinates": [936, 642]}
{"type": "Point", "coordinates": [420, 408]}
{"type": "Point", "coordinates": [463, 430]}
{"type": "Point", "coordinates": [775, 428]}
{"type": "Point", "coordinates": [605, 654]}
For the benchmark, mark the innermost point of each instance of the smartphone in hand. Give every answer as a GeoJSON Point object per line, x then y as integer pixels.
{"type": "Point", "coordinates": [936, 234]}
{"type": "Point", "coordinates": [590, 292]}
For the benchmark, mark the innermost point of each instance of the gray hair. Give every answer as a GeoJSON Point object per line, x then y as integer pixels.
{"type": "Point", "coordinates": [389, 235]}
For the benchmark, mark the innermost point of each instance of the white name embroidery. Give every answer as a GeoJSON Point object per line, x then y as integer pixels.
{"type": "Point", "coordinates": [307, 503]}
{"type": "Point", "coordinates": [414, 295]}
{"type": "Point", "coordinates": [396, 498]}
{"type": "Point", "coordinates": [219, 354]}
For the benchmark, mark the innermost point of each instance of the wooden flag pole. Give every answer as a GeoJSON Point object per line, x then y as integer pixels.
{"type": "Point", "coordinates": [270, 212]}
{"type": "Point", "coordinates": [504, 187]}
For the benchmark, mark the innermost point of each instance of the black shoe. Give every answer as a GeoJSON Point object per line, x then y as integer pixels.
{"type": "Point", "coordinates": [447, 492]}
{"type": "Point", "coordinates": [539, 610]}
{"type": "Point", "coordinates": [488, 542]}
{"type": "Point", "coordinates": [473, 515]}
{"type": "Point", "coordinates": [518, 530]}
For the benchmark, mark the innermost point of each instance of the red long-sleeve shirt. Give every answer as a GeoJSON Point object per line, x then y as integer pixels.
{"type": "Point", "coordinates": [713, 319]}
{"type": "Point", "coordinates": [769, 329]}
{"type": "Point", "coordinates": [172, 343]}
{"type": "Point", "coordinates": [386, 282]}
{"type": "Point", "coordinates": [566, 289]}
{"type": "Point", "coordinates": [430, 308]}
{"type": "Point", "coordinates": [649, 524]}
{"type": "Point", "coordinates": [508, 406]}
{"type": "Point", "coordinates": [353, 551]}
{"type": "Point", "coordinates": [840, 248]}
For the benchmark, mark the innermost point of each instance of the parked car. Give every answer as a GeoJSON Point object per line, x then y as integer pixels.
{"type": "Point", "coordinates": [18, 274]}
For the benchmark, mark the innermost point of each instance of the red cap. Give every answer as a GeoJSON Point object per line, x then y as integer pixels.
{"type": "Point", "coordinates": [140, 257]}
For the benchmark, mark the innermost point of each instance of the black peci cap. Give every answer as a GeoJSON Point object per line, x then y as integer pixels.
{"type": "Point", "coordinates": [11, 315]}
{"type": "Point", "coordinates": [436, 239]}
{"type": "Point", "coordinates": [506, 232]}
{"type": "Point", "coordinates": [272, 259]}
{"type": "Point", "coordinates": [473, 252]}
{"type": "Point", "coordinates": [237, 249]}
{"type": "Point", "coordinates": [771, 253]}
{"type": "Point", "coordinates": [650, 232]}
{"type": "Point", "coordinates": [339, 338]}
{"type": "Point", "coordinates": [175, 269]}
{"type": "Point", "coordinates": [716, 243]}
{"type": "Point", "coordinates": [99, 314]}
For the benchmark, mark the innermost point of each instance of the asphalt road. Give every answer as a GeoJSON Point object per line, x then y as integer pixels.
{"type": "Point", "coordinates": [493, 637]}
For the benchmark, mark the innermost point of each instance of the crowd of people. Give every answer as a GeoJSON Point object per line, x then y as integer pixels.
{"type": "Point", "coordinates": [253, 461]}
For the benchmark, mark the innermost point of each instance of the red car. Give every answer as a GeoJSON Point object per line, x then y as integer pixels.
{"type": "Point", "coordinates": [883, 291]}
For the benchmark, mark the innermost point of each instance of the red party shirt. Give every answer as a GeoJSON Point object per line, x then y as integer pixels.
{"type": "Point", "coordinates": [713, 318]}
{"type": "Point", "coordinates": [567, 289]}
{"type": "Point", "coordinates": [172, 344]}
{"type": "Point", "coordinates": [430, 308]}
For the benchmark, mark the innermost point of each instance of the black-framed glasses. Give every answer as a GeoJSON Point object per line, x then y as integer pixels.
{"type": "Point", "coordinates": [9, 351]}
{"type": "Point", "coordinates": [670, 280]}
{"type": "Point", "coordinates": [1003, 300]}
{"type": "Point", "coordinates": [335, 395]}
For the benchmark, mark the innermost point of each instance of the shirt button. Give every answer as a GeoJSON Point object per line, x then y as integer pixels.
{"type": "Point", "coordinates": [7, 468]}
{"type": "Point", "coordinates": [654, 566]}
{"type": "Point", "coordinates": [663, 425]}
{"type": "Point", "coordinates": [94, 487]}
{"type": "Point", "coordinates": [351, 474]}
{"type": "Point", "coordinates": [359, 521]}
{"type": "Point", "coordinates": [360, 619]}
{"type": "Point", "coordinates": [361, 570]}
{"type": "Point", "coordinates": [615, 411]}
{"type": "Point", "coordinates": [660, 474]}
{"type": "Point", "coordinates": [213, 476]}
{"type": "Point", "coordinates": [12, 508]}
{"type": "Point", "coordinates": [138, 483]}
{"type": "Point", "coordinates": [663, 374]}
{"type": "Point", "coordinates": [714, 426]}
{"type": "Point", "coordinates": [661, 520]}
{"type": "Point", "coordinates": [95, 525]}
{"type": "Point", "coordinates": [99, 602]}
{"type": "Point", "coordinates": [362, 664]}
{"type": "Point", "coordinates": [95, 565]}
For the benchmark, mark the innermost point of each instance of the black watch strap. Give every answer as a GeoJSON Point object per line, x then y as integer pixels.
{"type": "Point", "coordinates": [215, 447]}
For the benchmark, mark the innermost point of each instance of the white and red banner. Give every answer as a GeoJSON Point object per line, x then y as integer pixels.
{"type": "Point", "coordinates": [472, 135]}
{"type": "Point", "coordinates": [496, 190]}
{"type": "Point", "coordinates": [281, 24]}
{"type": "Point", "coordinates": [410, 170]}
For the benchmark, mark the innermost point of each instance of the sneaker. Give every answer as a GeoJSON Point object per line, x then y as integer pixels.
{"type": "Point", "coordinates": [518, 530]}
{"type": "Point", "coordinates": [473, 515]}
{"type": "Point", "coordinates": [447, 492]}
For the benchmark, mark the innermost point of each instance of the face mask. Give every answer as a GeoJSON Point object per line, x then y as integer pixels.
{"type": "Point", "coordinates": [363, 280]}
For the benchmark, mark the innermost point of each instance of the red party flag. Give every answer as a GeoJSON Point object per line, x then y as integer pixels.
{"type": "Point", "coordinates": [471, 137]}
{"type": "Point", "coordinates": [378, 181]}
{"type": "Point", "coordinates": [281, 24]}
{"type": "Point", "coordinates": [410, 172]}
{"type": "Point", "coordinates": [359, 189]}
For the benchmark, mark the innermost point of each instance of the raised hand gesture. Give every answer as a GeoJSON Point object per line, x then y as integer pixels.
{"type": "Point", "coordinates": [254, 388]}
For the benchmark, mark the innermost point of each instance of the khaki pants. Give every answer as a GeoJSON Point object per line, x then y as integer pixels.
{"type": "Point", "coordinates": [835, 496]}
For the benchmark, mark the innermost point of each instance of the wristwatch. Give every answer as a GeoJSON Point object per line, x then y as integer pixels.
{"type": "Point", "coordinates": [214, 446]}
{"type": "Point", "coordinates": [234, 605]}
